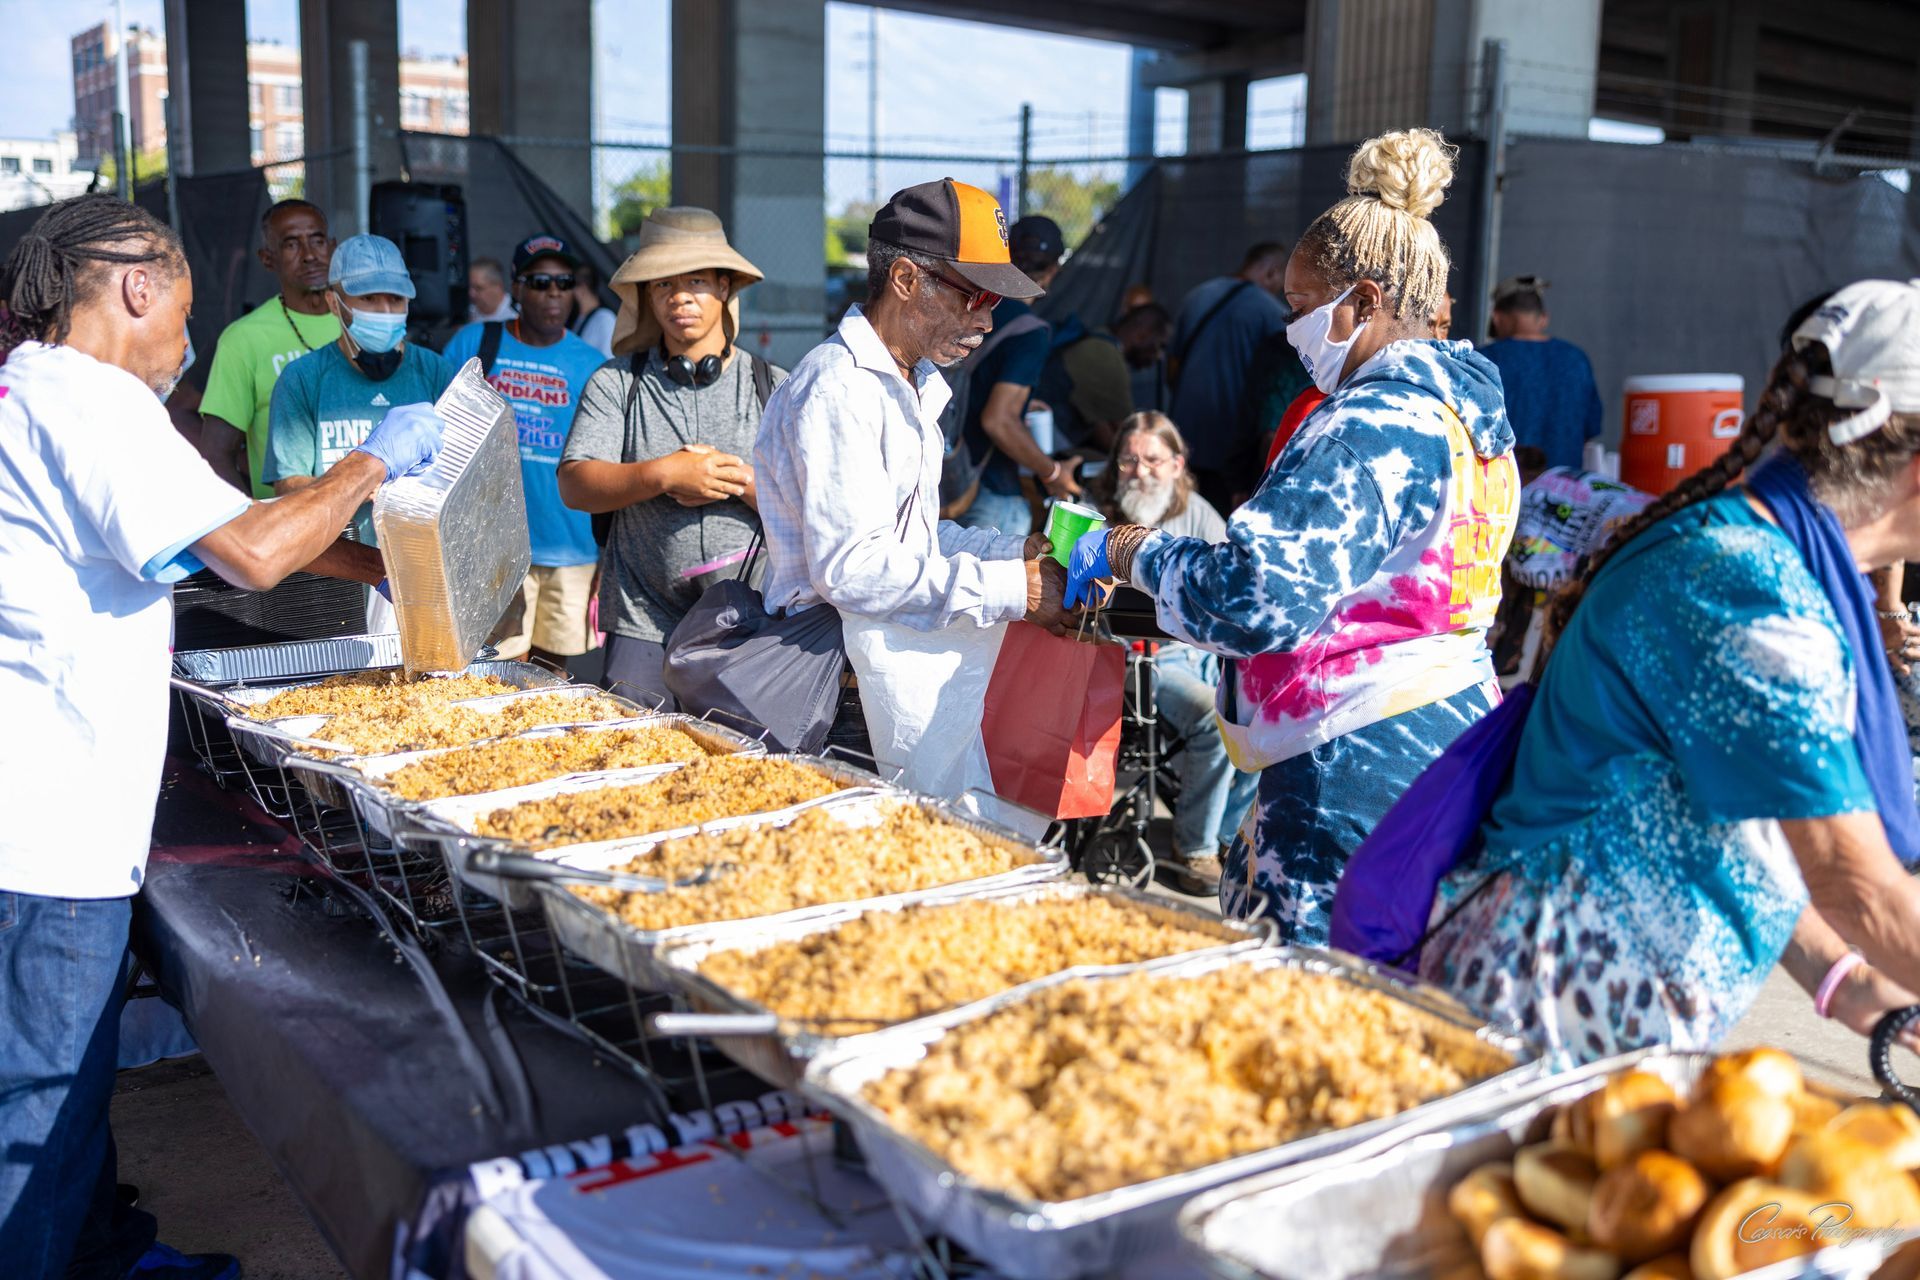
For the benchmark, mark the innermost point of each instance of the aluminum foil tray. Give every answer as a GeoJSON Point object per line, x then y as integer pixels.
{"type": "Point", "coordinates": [1373, 1213]}
{"type": "Point", "coordinates": [1031, 1240]}
{"type": "Point", "coordinates": [386, 813]}
{"type": "Point", "coordinates": [454, 538]}
{"type": "Point", "coordinates": [780, 1056]}
{"type": "Point", "coordinates": [601, 938]}
{"type": "Point", "coordinates": [293, 660]}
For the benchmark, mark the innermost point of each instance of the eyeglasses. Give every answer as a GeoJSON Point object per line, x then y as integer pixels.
{"type": "Point", "coordinates": [1128, 462]}
{"type": "Point", "coordinates": [976, 298]}
{"type": "Point", "coordinates": [542, 281]}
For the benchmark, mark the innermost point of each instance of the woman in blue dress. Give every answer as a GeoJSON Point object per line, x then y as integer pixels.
{"type": "Point", "coordinates": [1709, 779]}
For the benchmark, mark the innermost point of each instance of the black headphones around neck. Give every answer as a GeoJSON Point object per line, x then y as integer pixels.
{"type": "Point", "coordinates": [685, 373]}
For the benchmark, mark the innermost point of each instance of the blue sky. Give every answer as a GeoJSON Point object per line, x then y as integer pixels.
{"type": "Point", "coordinates": [1078, 88]}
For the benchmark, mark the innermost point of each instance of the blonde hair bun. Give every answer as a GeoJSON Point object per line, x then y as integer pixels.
{"type": "Point", "coordinates": [1408, 170]}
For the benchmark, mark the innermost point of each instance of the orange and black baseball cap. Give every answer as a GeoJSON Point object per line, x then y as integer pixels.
{"type": "Point", "coordinates": [960, 225]}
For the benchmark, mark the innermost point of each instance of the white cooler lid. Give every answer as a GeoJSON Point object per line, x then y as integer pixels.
{"type": "Point", "coordinates": [1658, 382]}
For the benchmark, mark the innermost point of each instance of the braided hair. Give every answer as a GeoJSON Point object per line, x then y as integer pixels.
{"type": "Point", "coordinates": [66, 258]}
{"type": "Point", "coordinates": [1853, 479]}
{"type": "Point", "coordinates": [1381, 231]}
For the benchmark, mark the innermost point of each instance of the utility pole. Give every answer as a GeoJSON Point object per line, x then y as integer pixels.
{"type": "Point", "coordinates": [1026, 159]}
{"type": "Point", "coordinates": [873, 104]}
{"type": "Point", "coordinates": [122, 115]}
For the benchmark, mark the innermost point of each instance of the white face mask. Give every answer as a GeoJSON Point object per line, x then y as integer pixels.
{"type": "Point", "coordinates": [1321, 356]}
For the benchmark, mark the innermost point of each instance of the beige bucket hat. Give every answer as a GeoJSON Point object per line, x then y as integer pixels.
{"type": "Point", "coordinates": [674, 241]}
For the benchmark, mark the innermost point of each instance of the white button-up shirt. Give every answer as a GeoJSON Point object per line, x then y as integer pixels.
{"type": "Point", "coordinates": [845, 444]}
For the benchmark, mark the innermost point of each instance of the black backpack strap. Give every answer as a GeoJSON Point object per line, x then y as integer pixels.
{"type": "Point", "coordinates": [762, 379]}
{"type": "Point", "coordinates": [1200, 327]}
{"type": "Point", "coordinates": [490, 334]}
{"type": "Point", "coordinates": [602, 521]}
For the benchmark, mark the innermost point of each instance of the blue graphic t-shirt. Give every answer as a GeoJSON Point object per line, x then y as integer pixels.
{"type": "Point", "coordinates": [323, 407]}
{"type": "Point", "coordinates": [543, 385]}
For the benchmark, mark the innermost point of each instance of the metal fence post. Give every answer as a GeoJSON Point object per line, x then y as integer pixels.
{"type": "Point", "coordinates": [1493, 62]}
{"type": "Point", "coordinates": [1026, 159]}
{"type": "Point", "coordinates": [362, 219]}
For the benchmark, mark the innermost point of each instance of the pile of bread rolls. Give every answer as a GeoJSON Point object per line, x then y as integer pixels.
{"type": "Point", "coordinates": [1636, 1183]}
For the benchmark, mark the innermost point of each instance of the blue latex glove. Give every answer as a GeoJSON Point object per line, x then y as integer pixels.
{"type": "Point", "coordinates": [1087, 565]}
{"type": "Point", "coordinates": [385, 589]}
{"type": "Point", "coordinates": [407, 439]}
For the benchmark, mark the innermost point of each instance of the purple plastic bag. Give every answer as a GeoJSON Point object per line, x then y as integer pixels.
{"type": "Point", "coordinates": [1385, 896]}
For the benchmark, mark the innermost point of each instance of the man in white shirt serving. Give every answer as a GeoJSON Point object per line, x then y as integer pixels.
{"type": "Point", "coordinates": [848, 471]}
{"type": "Point", "coordinates": [102, 506]}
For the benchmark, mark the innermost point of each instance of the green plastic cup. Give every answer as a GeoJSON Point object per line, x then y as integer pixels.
{"type": "Point", "coordinates": [1069, 523]}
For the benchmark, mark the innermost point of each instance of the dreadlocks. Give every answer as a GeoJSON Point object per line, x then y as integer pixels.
{"type": "Point", "coordinates": [65, 259]}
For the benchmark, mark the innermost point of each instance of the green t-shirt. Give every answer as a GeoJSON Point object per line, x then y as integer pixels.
{"type": "Point", "coordinates": [247, 362]}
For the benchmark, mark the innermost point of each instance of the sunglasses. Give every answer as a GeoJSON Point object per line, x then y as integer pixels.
{"type": "Point", "coordinates": [543, 281]}
{"type": "Point", "coordinates": [976, 298]}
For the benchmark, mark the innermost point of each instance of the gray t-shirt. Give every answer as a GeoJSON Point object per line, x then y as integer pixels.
{"type": "Point", "coordinates": [1199, 520]}
{"type": "Point", "coordinates": [644, 590]}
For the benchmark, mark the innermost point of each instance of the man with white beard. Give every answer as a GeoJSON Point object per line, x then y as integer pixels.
{"type": "Point", "coordinates": [1147, 483]}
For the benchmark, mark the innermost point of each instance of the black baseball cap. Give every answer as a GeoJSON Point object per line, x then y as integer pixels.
{"type": "Point", "coordinates": [543, 246]}
{"type": "Point", "coordinates": [1037, 236]}
{"type": "Point", "coordinates": [963, 226]}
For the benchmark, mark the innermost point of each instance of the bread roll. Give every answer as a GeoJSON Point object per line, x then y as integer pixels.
{"type": "Point", "coordinates": [1752, 1224]}
{"type": "Point", "coordinates": [1845, 1172]}
{"type": "Point", "coordinates": [1813, 1111]}
{"type": "Point", "coordinates": [1769, 1070]}
{"type": "Point", "coordinates": [1647, 1206]}
{"type": "Point", "coordinates": [1892, 1129]}
{"type": "Point", "coordinates": [1468, 1269]}
{"type": "Point", "coordinates": [1670, 1266]}
{"type": "Point", "coordinates": [1733, 1130]}
{"type": "Point", "coordinates": [1516, 1249]}
{"type": "Point", "coordinates": [1573, 1125]}
{"type": "Point", "coordinates": [1631, 1116]}
{"type": "Point", "coordinates": [1484, 1197]}
{"type": "Point", "coordinates": [1903, 1265]}
{"type": "Point", "coordinates": [1556, 1184]}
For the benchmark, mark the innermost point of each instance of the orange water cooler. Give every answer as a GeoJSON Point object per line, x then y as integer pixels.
{"type": "Point", "coordinates": [1676, 424]}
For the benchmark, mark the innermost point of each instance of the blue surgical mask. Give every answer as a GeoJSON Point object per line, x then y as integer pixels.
{"type": "Point", "coordinates": [1321, 356]}
{"type": "Point", "coordinates": [186, 363]}
{"type": "Point", "coordinates": [376, 331]}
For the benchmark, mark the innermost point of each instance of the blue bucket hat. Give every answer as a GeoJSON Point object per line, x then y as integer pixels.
{"type": "Point", "coordinates": [369, 264]}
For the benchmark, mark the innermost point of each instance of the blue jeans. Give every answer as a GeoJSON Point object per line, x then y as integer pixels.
{"type": "Point", "coordinates": [1214, 796]}
{"type": "Point", "coordinates": [1007, 512]}
{"type": "Point", "coordinates": [63, 977]}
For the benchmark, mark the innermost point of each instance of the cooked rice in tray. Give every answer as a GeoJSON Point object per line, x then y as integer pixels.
{"type": "Point", "coordinates": [414, 724]}
{"type": "Point", "coordinates": [366, 688]}
{"type": "Point", "coordinates": [1094, 1085]}
{"type": "Point", "coordinates": [516, 762]}
{"type": "Point", "coordinates": [717, 787]}
{"type": "Point", "coordinates": [816, 859]}
{"type": "Point", "coordinates": [889, 966]}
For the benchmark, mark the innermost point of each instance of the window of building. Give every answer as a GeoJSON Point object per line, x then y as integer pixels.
{"type": "Point", "coordinates": [9, 164]}
{"type": "Point", "coordinates": [456, 110]}
{"type": "Point", "coordinates": [286, 140]}
{"type": "Point", "coordinates": [287, 97]}
{"type": "Point", "coordinates": [416, 109]}
{"type": "Point", "coordinates": [42, 165]}
{"type": "Point", "coordinates": [256, 140]}
{"type": "Point", "coordinates": [254, 97]}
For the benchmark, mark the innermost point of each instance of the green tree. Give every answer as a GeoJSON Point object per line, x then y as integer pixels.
{"type": "Point", "coordinates": [1075, 202]}
{"type": "Point", "coordinates": [650, 188]}
{"type": "Point", "coordinates": [847, 232]}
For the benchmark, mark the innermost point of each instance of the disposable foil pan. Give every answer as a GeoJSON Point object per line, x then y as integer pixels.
{"type": "Point", "coordinates": [1383, 1213]}
{"type": "Point", "coordinates": [454, 538]}
{"type": "Point", "coordinates": [291, 660]}
{"type": "Point", "coordinates": [387, 813]}
{"type": "Point", "coordinates": [780, 1056]}
{"type": "Point", "coordinates": [603, 939]}
{"type": "Point", "coordinates": [1033, 1240]}
{"type": "Point", "coordinates": [450, 824]}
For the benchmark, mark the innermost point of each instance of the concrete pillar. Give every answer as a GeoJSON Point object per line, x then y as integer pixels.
{"type": "Point", "coordinates": [1217, 114]}
{"type": "Point", "coordinates": [530, 68]}
{"type": "Point", "coordinates": [1374, 65]}
{"type": "Point", "coordinates": [327, 28]}
{"type": "Point", "coordinates": [1140, 116]}
{"type": "Point", "coordinates": [207, 84]}
{"type": "Point", "coordinates": [749, 77]}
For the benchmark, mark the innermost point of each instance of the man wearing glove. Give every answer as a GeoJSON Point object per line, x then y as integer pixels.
{"type": "Point", "coordinates": [329, 399]}
{"type": "Point", "coordinates": [102, 506]}
{"type": "Point", "coordinates": [848, 464]}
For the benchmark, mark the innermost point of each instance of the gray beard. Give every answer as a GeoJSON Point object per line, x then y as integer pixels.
{"type": "Point", "coordinates": [1141, 505]}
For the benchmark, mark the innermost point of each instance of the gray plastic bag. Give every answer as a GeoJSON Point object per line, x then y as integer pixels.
{"type": "Point", "coordinates": [729, 654]}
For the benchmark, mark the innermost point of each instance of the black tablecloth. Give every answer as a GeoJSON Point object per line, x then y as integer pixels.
{"type": "Point", "coordinates": [377, 1076]}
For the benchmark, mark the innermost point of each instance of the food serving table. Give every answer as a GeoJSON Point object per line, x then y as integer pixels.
{"type": "Point", "coordinates": [391, 1087]}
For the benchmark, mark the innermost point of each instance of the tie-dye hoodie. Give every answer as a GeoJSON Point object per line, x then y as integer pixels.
{"type": "Point", "coordinates": [1360, 580]}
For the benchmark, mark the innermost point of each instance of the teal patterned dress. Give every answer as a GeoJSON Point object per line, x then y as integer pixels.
{"type": "Point", "coordinates": [1633, 887]}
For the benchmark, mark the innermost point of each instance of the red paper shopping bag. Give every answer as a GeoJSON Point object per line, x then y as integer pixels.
{"type": "Point", "coordinates": [1052, 722]}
